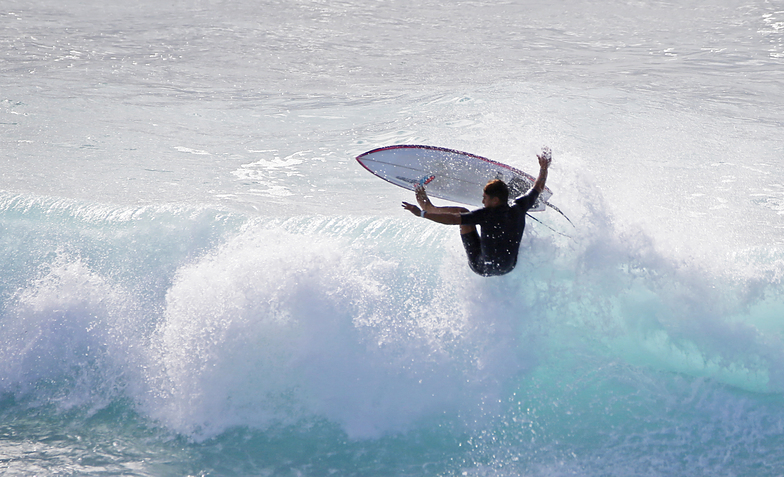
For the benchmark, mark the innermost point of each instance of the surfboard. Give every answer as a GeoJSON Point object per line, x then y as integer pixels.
{"type": "Point", "coordinates": [447, 174]}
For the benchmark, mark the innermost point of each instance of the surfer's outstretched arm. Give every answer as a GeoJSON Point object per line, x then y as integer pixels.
{"type": "Point", "coordinates": [440, 217]}
{"type": "Point", "coordinates": [545, 158]}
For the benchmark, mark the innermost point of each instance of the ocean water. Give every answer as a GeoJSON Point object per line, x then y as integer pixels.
{"type": "Point", "coordinates": [199, 279]}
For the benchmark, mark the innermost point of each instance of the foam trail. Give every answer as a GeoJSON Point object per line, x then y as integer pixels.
{"type": "Point", "coordinates": [337, 329]}
{"type": "Point", "coordinates": [351, 329]}
{"type": "Point", "coordinates": [375, 325]}
{"type": "Point", "coordinates": [274, 322]}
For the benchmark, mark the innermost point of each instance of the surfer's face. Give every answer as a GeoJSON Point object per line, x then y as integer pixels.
{"type": "Point", "coordinates": [489, 201]}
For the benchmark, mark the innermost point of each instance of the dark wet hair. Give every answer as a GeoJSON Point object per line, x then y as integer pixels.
{"type": "Point", "coordinates": [498, 188]}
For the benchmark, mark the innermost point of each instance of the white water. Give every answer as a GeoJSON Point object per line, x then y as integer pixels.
{"type": "Point", "coordinates": [199, 279]}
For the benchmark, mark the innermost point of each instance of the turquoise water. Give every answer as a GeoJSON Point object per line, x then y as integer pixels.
{"type": "Point", "coordinates": [199, 279]}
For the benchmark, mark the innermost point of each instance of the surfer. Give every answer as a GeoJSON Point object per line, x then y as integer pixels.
{"type": "Point", "coordinates": [495, 252]}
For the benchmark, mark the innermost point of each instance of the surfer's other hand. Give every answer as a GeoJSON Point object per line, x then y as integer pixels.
{"type": "Point", "coordinates": [421, 197]}
{"type": "Point", "coordinates": [411, 208]}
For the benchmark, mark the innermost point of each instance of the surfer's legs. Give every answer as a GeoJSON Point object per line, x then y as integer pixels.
{"type": "Point", "coordinates": [473, 248]}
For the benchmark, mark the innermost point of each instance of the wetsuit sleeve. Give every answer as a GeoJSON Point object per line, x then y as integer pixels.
{"type": "Point", "coordinates": [472, 218]}
{"type": "Point", "coordinates": [528, 200]}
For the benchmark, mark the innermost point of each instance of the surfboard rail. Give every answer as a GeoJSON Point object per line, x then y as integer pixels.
{"type": "Point", "coordinates": [440, 149]}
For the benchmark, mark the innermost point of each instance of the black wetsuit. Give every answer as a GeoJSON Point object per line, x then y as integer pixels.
{"type": "Point", "coordinates": [502, 229]}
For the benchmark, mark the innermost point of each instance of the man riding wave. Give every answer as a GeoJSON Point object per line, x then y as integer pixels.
{"type": "Point", "coordinates": [495, 251]}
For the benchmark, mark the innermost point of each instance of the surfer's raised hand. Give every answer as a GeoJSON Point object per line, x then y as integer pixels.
{"type": "Point", "coordinates": [545, 158]}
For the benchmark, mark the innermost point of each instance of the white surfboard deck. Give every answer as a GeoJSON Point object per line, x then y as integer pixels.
{"type": "Point", "coordinates": [448, 174]}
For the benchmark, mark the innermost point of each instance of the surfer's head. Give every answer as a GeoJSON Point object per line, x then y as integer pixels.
{"type": "Point", "coordinates": [496, 193]}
